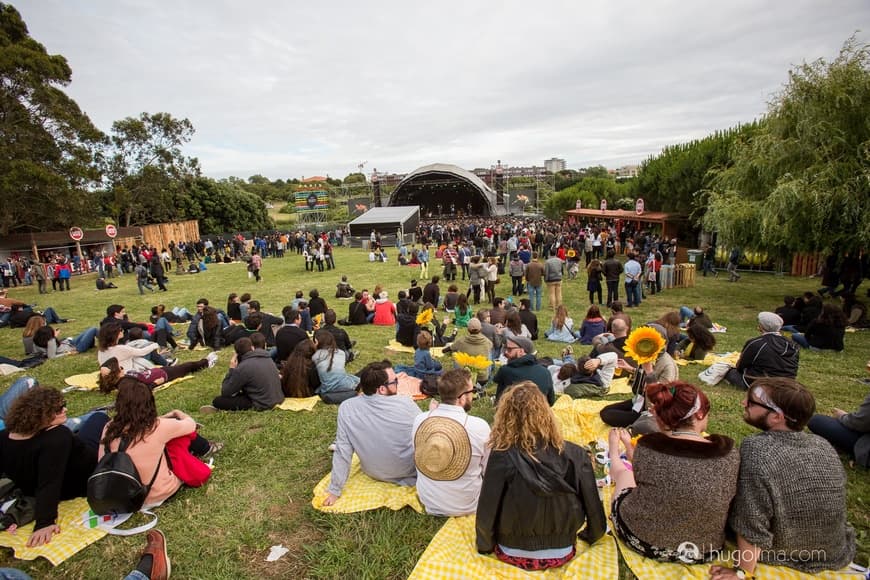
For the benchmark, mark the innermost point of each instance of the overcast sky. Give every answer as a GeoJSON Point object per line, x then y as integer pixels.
{"type": "Point", "coordinates": [292, 88]}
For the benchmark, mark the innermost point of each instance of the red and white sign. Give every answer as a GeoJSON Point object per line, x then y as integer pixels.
{"type": "Point", "coordinates": [603, 205]}
{"type": "Point", "coordinates": [638, 206]}
{"type": "Point", "coordinates": [579, 204]}
{"type": "Point", "coordinates": [76, 234]}
{"type": "Point", "coordinates": [111, 231]}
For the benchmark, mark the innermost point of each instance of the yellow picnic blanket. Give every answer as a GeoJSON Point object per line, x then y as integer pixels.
{"type": "Point", "coordinates": [620, 386]}
{"type": "Point", "coordinates": [645, 569]}
{"type": "Point", "coordinates": [73, 536]}
{"type": "Point", "coordinates": [395, 346]}
{"type": "Point", "coordinates": [579, 420]}
{"type": "Point", "coordinates": [452, 554]}
{"type": "Point", "coordinates": [730, 357]}
{"type": "Point", "coordinates": [295, 404]}
{"type": "Point", "coordinates": [88, 382]}
{"type": "Point", "coordinates": [362, 493]}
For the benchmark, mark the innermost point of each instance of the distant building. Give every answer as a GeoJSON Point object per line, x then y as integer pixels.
{"type": "Point", "coordinates": [554, 165]}
{"type": "Point", "coordinates": [625, 172]}
{"type": "Point", "coordinates": [487, 174]}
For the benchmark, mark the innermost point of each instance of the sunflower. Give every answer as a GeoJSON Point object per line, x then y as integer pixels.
{"type": "Point", "coordinates": [644, 344]}
{"type": "Point", "coordinates": [472, 363]}
{"type": "Point", "coordinates": [425, 317]}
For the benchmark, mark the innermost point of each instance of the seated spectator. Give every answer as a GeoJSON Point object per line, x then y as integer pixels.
{"type": "Point", "coordinates": [790, 507]}
{"type": "Point", "coordinates": [768, 355]}
{"type": "Point", "coordinates": [130, 357]}
{"type": "Point", "coordinates": [790, 315]}
{"type": "Point", "coordinates": [538, 489]}
{"type": "Point", "coordinates": [356, 310]}
{"type": "Point", "coordinates": [451, 298]}
{"type": "Point", "coordinates": [592, 326]}
{"type": "Point", "coordinates": [34, 323]}
{"type": "Point", "coordinates": [385, 311]}
{"type": "Point", "coordinates": [406, 326]}
{"type": "Point", "coordinates": [617, 310]}
{"type": "Point", "coordinates": [46, 342]}
{"type": "Point", "coordinates": [514, 325]}
{"type": "Point", "coordinates": [473, 343]}
{"type": "Point", "coordinates": [588, 377]}
{"type": "Point", "coordinates": [289, 335]}
{"type": "Point", "coordinates": [462, 312]}
{"type": "Point", "coordinates": [206, 328]}
{"type": "Point", "coordinates": [528, 318]}
{"type": "Point", "coordinates": [270, 323]}
{"type": "Point", "coordinates": [562, 327]}
{"type": "Point", "coordinates": [403, 303]}
{"type": "Point", "coordinates": [855, 311]}
{"type": "Point", "coordinates": [377, 427]}
{"type": "Point", "coordinates": [116, 313]}
{"type": "Point", "coordinates": [234, 332]}
{"type": "Point", "coordinates": [522, 366]}
{"type": "Point", "coordinates": [42, 456]}
{"type": "Point", "coordinates": [424, 364]}
{"type": "Point", "coordinates": [111, 373]}
{"type": "Point", "coordinates": [136, 421]}
{"type": "Point", "coordinates": [678, 457]}
{"type": "Point", "coordinates": [234, 307]}
{"type": "Point", "coordinates": [431, 292]}
{"type": "Point", "coordinates": [343, 289]}
{"type": "Point", "coordinates": [825, 332]}
{"type": "Point", "coordinates": [299, 377]}
{"type": "Point", "coordinates": [342, 339]}
{"type": "Point", "coordinates": [316, 305]}
{"type": "Point", "coordinates": [415, 293]}
{"type": "Point", "coordinates": [15, 313]}
{"type": "Point", "coordinates": [251, 382]}
{"type": "Point", "coordinates": [450, 449]}
{"type": "Point", "coordinates": [615, 338]}
{"type": "Point", "coordinates": [670, 321]}
{"type": "Point", "coordinates": [694, 315]}
{"type": "Point", "coordinates": [848, 432]}
{"type": "Point", "coordinates": [336, 385]}
{"type": "Point", "coordinates": [698, 344]}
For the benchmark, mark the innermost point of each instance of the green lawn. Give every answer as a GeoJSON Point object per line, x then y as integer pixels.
{"type": "Point", "coordinates": [260, 492]}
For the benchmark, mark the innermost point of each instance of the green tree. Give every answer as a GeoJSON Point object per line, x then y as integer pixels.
{"type": "Point", "coordinates": [355, 178]}
{"type": "Point", "coordinates": [803, 181]}
{"type": "Point", "coordinates": [146, 170]}
{"type": "Point", "coordinates": [223, 206]}
{"type": "Point", "coordinates": [47, 144]}
{"type": "Point", "coordinates": [559, 202]}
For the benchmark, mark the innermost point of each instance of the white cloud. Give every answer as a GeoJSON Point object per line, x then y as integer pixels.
{"type": "Point", "coordinates": [288, 89]}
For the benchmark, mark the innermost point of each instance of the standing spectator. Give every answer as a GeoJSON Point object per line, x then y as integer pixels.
{"type": "Point", "coordinates": [733, 260]}
{"type": "Point", "coordinates": [593, 285]}
{"type": "Point", "coordinates": [553, 278]}
{"type": "Point", "coordinates": [633, 274]}
{"type": "Point", "coordinates": [257, 264]}
{"type": "Point", "coordinates": [534, 281]}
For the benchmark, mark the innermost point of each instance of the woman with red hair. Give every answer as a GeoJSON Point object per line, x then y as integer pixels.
{"type": "Point", "coordinates": [676, 492]}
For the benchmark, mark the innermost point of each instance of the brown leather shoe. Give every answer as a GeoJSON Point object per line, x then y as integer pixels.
{"type": "Point", "coordinates": [156, 548]}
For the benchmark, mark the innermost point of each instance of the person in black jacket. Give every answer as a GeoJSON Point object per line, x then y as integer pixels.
{"type": "Point", "coordinates": [768, 355]}
{"type": "Point", "coordinates": [825, 332]}
{"type": "Point", "coordinates": [538, 489]}
{"type": "Point", "coordinates": [289, 335]}
{"type": "Point", "coordinates": [342, 339]}
{"type": "Point", "coordinates": [528, 317]}
{"type": "Point", "coordinates": [356, 310]}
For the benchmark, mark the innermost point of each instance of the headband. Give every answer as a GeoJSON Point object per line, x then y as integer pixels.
{"type": "Point", "coordinates": [696, 406]}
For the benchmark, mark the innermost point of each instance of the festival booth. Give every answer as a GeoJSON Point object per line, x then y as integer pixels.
{"type": "Point", "coordinates": [386, 221]}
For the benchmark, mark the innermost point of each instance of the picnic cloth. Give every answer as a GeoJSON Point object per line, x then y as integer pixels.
{"type": "Point", "coordinates": [395, 347]}
{"type": "Point", "coordinates": [579, 420]}
{"type": "Point", "coordinates": [73, 536]}
{"type": "Point", "coordinates": [620, 386]}
{"type": "Point", "coordinates": [296, 404]}
{"type": "Point", "coordinates": [730, 358]}
{"type": "Point", "coordinates": [452, 554]}
{"type": "Point", "coordinates": [362, 493]}
{"type": "Point", "coordinates": [88, 382]}
{"type": "Point", "coordinates": [6, 369]}
{"type": "Point", "coordinates": [646, 569]}
{"type": "Point", "coordinates": [410, 386]}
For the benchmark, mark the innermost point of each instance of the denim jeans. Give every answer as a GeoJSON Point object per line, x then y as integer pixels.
{"type": "Point", "coordinates": [15, 390]}
{"type": "Point", "coordinates": [686, 313]}
{"type": "Point", "coordinates": [85, 340]}
{"type": "Point", "coordinates": [535, 296]}
{"type": "Point", "coordinates": [612, 291]}
{"type": "Point", "coordinates": [51, 317]}
{"type": "Point", "coordinates": [835, 432]}
{"type": "Point", "coordinates": [632, 293]}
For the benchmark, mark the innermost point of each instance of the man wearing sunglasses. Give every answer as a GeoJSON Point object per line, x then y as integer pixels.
{"type": "Point", "coordinates": [377, 427]}
{"type": "Point", "coordinates": [450, 449]}
{"type": "Point", "coordinates": [790, 507]}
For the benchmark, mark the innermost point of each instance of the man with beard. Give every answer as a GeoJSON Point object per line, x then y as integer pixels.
{"type": "Point", "coordinates": [450, 450]}
{"type": "Point", "coordinates": [790, 507]}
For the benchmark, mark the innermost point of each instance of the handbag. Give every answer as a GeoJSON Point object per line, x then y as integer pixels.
{"type": "Point", "coordinates": [713, 374]}
{"type": "Point", "coordinates": [185, 466]}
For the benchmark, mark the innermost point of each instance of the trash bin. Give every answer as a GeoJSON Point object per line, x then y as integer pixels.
{"type": "Point", "coordinates": [696, 258]}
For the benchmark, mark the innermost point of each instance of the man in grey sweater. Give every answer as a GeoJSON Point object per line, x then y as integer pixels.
{"type": "Point", "coordinates": [790, 508]}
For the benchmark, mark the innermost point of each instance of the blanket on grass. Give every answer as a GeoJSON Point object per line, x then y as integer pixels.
{"type": "Point", "coordinates": [88, 382]}
{"type": "Point", "coordinates": [730, 358]}
{"type": "Point", "coordinates": [294, 404]}
{"type": "Point", "coordinates": [362, 493]}
{"type": "Point", "coordinates": [452, 554]}
{"type": "Point", "coordinates": [73, 536]}
{"type": "Point", "coordinates": [395, 347]}
{"type": "Point", "coordinates": [579, 420]}
{"type": "Point", "coordinates": [646, 569]}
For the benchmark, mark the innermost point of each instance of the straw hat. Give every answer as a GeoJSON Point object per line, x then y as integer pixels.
{"type": "Point", "coordinates": [442, 449]}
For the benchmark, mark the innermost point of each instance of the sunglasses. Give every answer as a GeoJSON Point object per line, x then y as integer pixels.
{"type": "Point", "coordinates": [393, 383]}
{"type": "Point", "coordinates": [468, 392]}
{"type": "Point", "coordinates": [750, 402]}
{"type": "Point", "coordinates": [61, 406]}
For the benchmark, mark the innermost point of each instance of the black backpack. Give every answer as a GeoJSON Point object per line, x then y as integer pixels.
{"type": "Point", "coordinates": [115, 487]}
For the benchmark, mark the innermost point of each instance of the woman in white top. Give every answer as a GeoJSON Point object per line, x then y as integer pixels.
{"type": "Point", "coordinates": [129, 358]}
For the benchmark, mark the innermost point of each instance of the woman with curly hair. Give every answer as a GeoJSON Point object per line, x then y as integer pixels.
{"type": "Point", "coordinates": [146, 434]}
{"type": "Point", "coordinates": [825, 332]}
{"type": "Point", "coordinates": [336, 385]}
{"type": "Point", "coordinates": [46, 341]}
{"type": "Point", "coordinates": [698, 345]}
{"type": "Point", "coordinates": [299, 377]}
{"type": "Point", "coordinates": [43, 457]}
{"type": "Point", "coordinates": [538, 489]}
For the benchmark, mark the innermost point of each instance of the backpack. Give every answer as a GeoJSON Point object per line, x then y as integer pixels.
{"type": "Point", "coordinates": [115, 487]}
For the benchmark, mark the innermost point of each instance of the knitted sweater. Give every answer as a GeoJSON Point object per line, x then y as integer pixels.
{"type": "Point", "coordinates": [791, 496]}
{"type": "Point", "coordinates": [684, 489]}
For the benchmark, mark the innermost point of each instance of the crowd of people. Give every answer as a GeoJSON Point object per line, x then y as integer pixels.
{"type": "Point", "coordinates": [530, 489]}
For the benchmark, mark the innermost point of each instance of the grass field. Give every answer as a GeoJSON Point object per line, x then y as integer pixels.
{"type": "Point", "coordinates": [260, 492]}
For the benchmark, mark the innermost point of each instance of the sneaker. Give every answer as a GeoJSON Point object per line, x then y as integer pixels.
{"type": "Point", "coordinates": [208, 409]}
{"type": "Point", "coordinates": [213, 448]}
{"type": "Point", "coordinates": [171, 362]}
{"type": "Point", "coordinates": [212, 359]}
{"type": "Point", "coordinates": [331, 447]}
{"type": "Point", "coordinates": [155, 547]}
